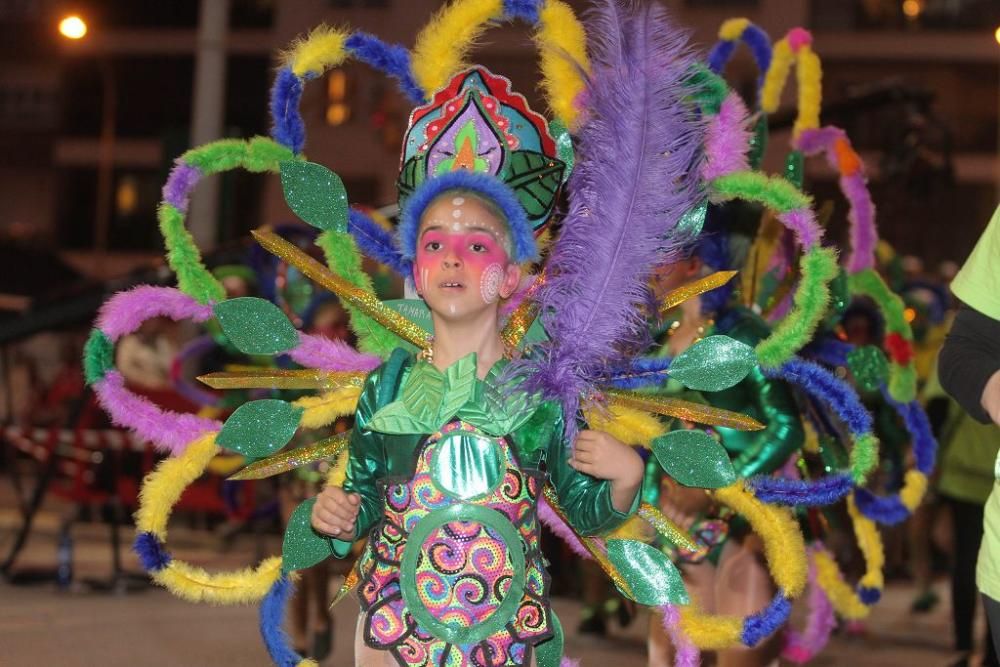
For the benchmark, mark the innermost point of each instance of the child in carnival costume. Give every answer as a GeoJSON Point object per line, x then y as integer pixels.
{"type": "Point", "coordinates": [446, 483]}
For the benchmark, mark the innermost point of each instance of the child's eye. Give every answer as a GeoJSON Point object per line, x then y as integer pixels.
{"type": "Point", "coordinates": [431, 246]}
{"type": "Point", "coordinates": [478, 247]}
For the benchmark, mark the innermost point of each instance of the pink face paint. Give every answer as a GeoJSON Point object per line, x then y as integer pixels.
{"type": "Point", "coordinates": [490, 283]}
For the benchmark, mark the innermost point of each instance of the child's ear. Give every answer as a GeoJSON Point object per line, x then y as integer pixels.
{"type": "Point", "coordinates": [511, 279]}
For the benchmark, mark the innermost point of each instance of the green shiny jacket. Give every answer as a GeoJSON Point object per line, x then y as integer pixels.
{"type": "Point", "coordinates": [378, 459]}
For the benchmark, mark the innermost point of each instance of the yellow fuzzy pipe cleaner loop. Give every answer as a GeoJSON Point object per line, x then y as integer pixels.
{"type": "Point", "coordinates": [320, 411]}
{"type": "Point", "coordinates": [630, 425]}
{"type": "Point", "coordinates": [842, 597]}
{"type": "Point", "coordinates": [440, 49]}
{"type": "Point", "coordinates": [563, 45]}
{"type": "Point", "coordinates": [870, 544]}
{"type": "Point", "coordinates": [365, 301]}
{"type": "Point", "coordinates": [320, 50]}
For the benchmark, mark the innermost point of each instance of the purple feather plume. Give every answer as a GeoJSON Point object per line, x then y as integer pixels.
{"type": "Point", "coordinates": [638, 163]}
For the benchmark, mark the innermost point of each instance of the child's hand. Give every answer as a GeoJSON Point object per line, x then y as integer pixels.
{"type": "Point", "coordinates": [335, 512]}
{"type": "Point", "coordinates": [605, 457]}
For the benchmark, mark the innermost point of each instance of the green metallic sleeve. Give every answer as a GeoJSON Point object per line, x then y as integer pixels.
{"type": "Point", "coordinates": [768, 449]}
{"type": "Point", "coordinates": [586, 500]}
{"type": "Point", "coordinates": [366, 464]}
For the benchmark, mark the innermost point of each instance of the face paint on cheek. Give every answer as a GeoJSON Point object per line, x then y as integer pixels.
{"type": "Point", "coordinates": [490, 282]}
{"type": "Point", "coordinates": [423, 279]}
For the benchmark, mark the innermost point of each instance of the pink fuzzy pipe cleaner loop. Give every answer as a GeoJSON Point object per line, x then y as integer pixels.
{"type": "Point", "coordinates": [324, 354]}
{"type": "Point", "coordinates": [685, 653]}
{"type": "Point", "coordinates": [801, 647]}
{"type": "Point", "coordinates": [169, 431]}
{"type": "Point", "coordinates": [125, 312]}
{"type": "Point", "coordinates": [727, 140]}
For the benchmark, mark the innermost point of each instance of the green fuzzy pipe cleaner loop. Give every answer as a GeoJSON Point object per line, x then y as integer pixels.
{"type": "Point", "coordinates": [184, 258]}
{"type": "Point", "coordinates": [818, 268]}
{"type": "Point", "coordinates": [903, 382]}
{"type": "Point", "coordinates": [709, 89]}
{"type": "Point", "coordinates": [870, 283]}
{"type": "Point", "coordinates": [864, 457]}
{"type": "Point", "coordinates": [774, 192]}
{"type": "Point", "coordinates": [98, 356]}
{"type": "Point", "coordinates": [343, 259]}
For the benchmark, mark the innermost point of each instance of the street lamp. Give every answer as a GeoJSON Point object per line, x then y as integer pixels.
{"type": "Point", "coordinates": [75, 28]}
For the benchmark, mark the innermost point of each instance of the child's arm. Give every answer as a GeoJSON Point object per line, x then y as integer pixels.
{"type": "Point", "coordinates": [349, 512]}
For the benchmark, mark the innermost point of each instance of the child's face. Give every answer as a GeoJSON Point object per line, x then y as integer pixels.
{"type": "Point", "coordinates": [462, 265]}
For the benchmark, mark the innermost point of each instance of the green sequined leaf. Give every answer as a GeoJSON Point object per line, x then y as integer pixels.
{"type": "Point", "coordinates": [564, 146]}
{"type": "Point", "coordinates": [423, 392]}
{"type": "Point", "coordinates": [650, 575]}
{"type": "Point", "coordinates": [255, 326]}
{"type": "Point", "coordinates": [395, 418]}
{"type": "Point", "coordinates": [758, 142]}
{"type": "Point", "coordinates": [713, 364]}
{"type": "Point", "coordinates": [694, 458]}
{"type": "Point", "coordinates": [260, 428]}
{"type": "Point", "coordinates": [869, 367]}
{"type": "Point", "coordinates": [460, 384]}
{"type": "Point", "coordinates": [691, 223]}
{"type": "Point", "coordinates": [794, 168]}
{"type": "Point", "coordinates": [303, 547]}
{"type": "Point", "coordinates": [98, 356]}
{"type": "Point", "coordinates": [535, 178]}
{"type": "Point", "coordinates": [315, 194]}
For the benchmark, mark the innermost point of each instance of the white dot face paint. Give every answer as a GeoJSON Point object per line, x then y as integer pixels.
{"type": "Point", "coordinates": [490, 283]}
{"type": "Point", "coordinates": [423, 279]}
{"type": "Point", "coordinates": [457, 213]}
{"type": "Point", "coordinates": [458, 201]}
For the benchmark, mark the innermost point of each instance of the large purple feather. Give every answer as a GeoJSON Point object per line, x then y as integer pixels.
{"type": "Point", "coordinates": [638, 162]}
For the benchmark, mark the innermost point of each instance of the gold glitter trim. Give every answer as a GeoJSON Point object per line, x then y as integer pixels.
{"type": "Point", "coordinates": [277, 378]}
{"type": "Point", "coordinates": [366, 301]}
{"type": "Point", "coordinates": [693, 289]}
{"type": "Point", "coordinates": [350, 581]}
{"type": "Point", "coordinates": [686, 410]}
{"type": "Point", "coordinates": [327, 448]}
{"type": "Point", "coordinates": [592, 546]}
{"type": "Point", "coordinates": [523, 316]}
{"type": "Point", "coordinates": [667, 528]}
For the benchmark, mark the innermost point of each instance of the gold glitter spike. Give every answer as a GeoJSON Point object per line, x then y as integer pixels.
{"type": "Point", "coordinates": [350, 581]}
{"type": "Point", "coordinates": [592, 546]}
{"type": "Point", "coordinates": [667, 528]}
{"type": "Point", "coordinates": [278, 378]}
{"type": "Point", "coordinates": [327, 448]}
{"type": "Point", "coordinates": [686, 410]}
{"type": "Point", "coordinates": [521, 319]}
{"type": "Point", "coordinates": [693, 289]}
{"type": "Point", "coordinates": [366, 301]}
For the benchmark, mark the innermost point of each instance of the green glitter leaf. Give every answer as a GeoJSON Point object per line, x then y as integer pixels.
{"type": "Point", "coordinates": [695, 459]}
{"type": "Point", "coordinates": [315, 194]}
{"type": "Point", "coordinates": [869, 367]}
{"type": "Point", "coordinates": [535, 178]}
{"type": "Point", "coordinates": [692, 222]}
{"type": "Point", "coordinates": [256, 326]}
{"type": "Point", "coordinates": [564, 146]}
{"type": "Point", "coordinates": [98, 356]}
{"type": "Point", "coordinates": [303, 547]}
{"type": "Point", "coordinates": [654, 580]}
{"type": "Point", "coordinates": [260, 428]}
{"type": "Point", "coordinates": [713, 364]}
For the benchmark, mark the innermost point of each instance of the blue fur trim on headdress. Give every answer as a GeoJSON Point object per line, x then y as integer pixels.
{"type": "Point", "coordinates": [887, 511]}
{"type": "Point", "coordinates": [152, 554]}
{"type": "Point", "coordinates": [526, 10]}
{"type": "Point", "coordinates": [376, 243]}
{"type": "Point", "coordinates": [811, 493]}
{"type": "Point", "coordinates": [763, 623]}
{"type": "Point", "coordinates": [521, 233]}
{"type": "Point", "coordinates": [289, 129]}
{"type": "Point", "coordinates": [272, 617]}
{"type": "Point", "coordinates": [390, 59]}
{"type": "Point", "coordinates": [720, 55]}
{"type": "Point", "coordinates": [869, 595]}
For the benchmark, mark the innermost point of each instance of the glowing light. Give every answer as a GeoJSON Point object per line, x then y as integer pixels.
{"type": "Point", "coordinates": [72, 27]}
{"type": "Point", "coordinates": [996, 35]}
{"type": "Point", "coordinates": [910, 314]}
{"type": "Point", "coordinates": [912, 8]}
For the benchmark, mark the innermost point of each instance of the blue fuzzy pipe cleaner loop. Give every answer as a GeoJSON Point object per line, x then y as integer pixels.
{"type": "Point", "coordinates": [642, 372]}
{"type": "Point", "coordinates": [272, 618]}
{"type": "Point", "coordinates": [828, 350]}
{"type": "Point", "coordinates": [377, 243]}
{"type": "Point", "coordinates": [811, 493]}
{"type": "Point", "coordinates": [759, 43]}
{"type": "Point", "coordinates": [869, 595]}
{"type": "Point", "coordinates": [887, 511]}
{"type": "Point", "coordinates": [765, 622]}
{"type": "Point", "coordinates": [288, 129]}
{"type": "Point", "coordinates": [526, 10]}
{"type": "Point", "coordinates": [915, 419]}
{"type": "Point", "coordinates": [824, 385]}
{"type": "Point", "coordinates": [153, 555]}
{"type": "Point", "coordinates": [390, 59]}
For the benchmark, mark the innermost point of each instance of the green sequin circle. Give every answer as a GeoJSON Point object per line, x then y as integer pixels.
{"type": "Point", "coordinates": [414, 553]}
{"type": "Point", "coordinates": [467, 466]}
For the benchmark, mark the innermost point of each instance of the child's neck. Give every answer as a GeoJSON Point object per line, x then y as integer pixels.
{"type": "Point", "coordinates": [456, 339]}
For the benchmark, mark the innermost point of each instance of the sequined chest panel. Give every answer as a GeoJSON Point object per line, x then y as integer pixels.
{"type": "Point", "coordinates": [453, 574]}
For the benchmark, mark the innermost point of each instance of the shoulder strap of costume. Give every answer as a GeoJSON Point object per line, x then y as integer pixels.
{"type": "Point", "coordinates": [392, 374]}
